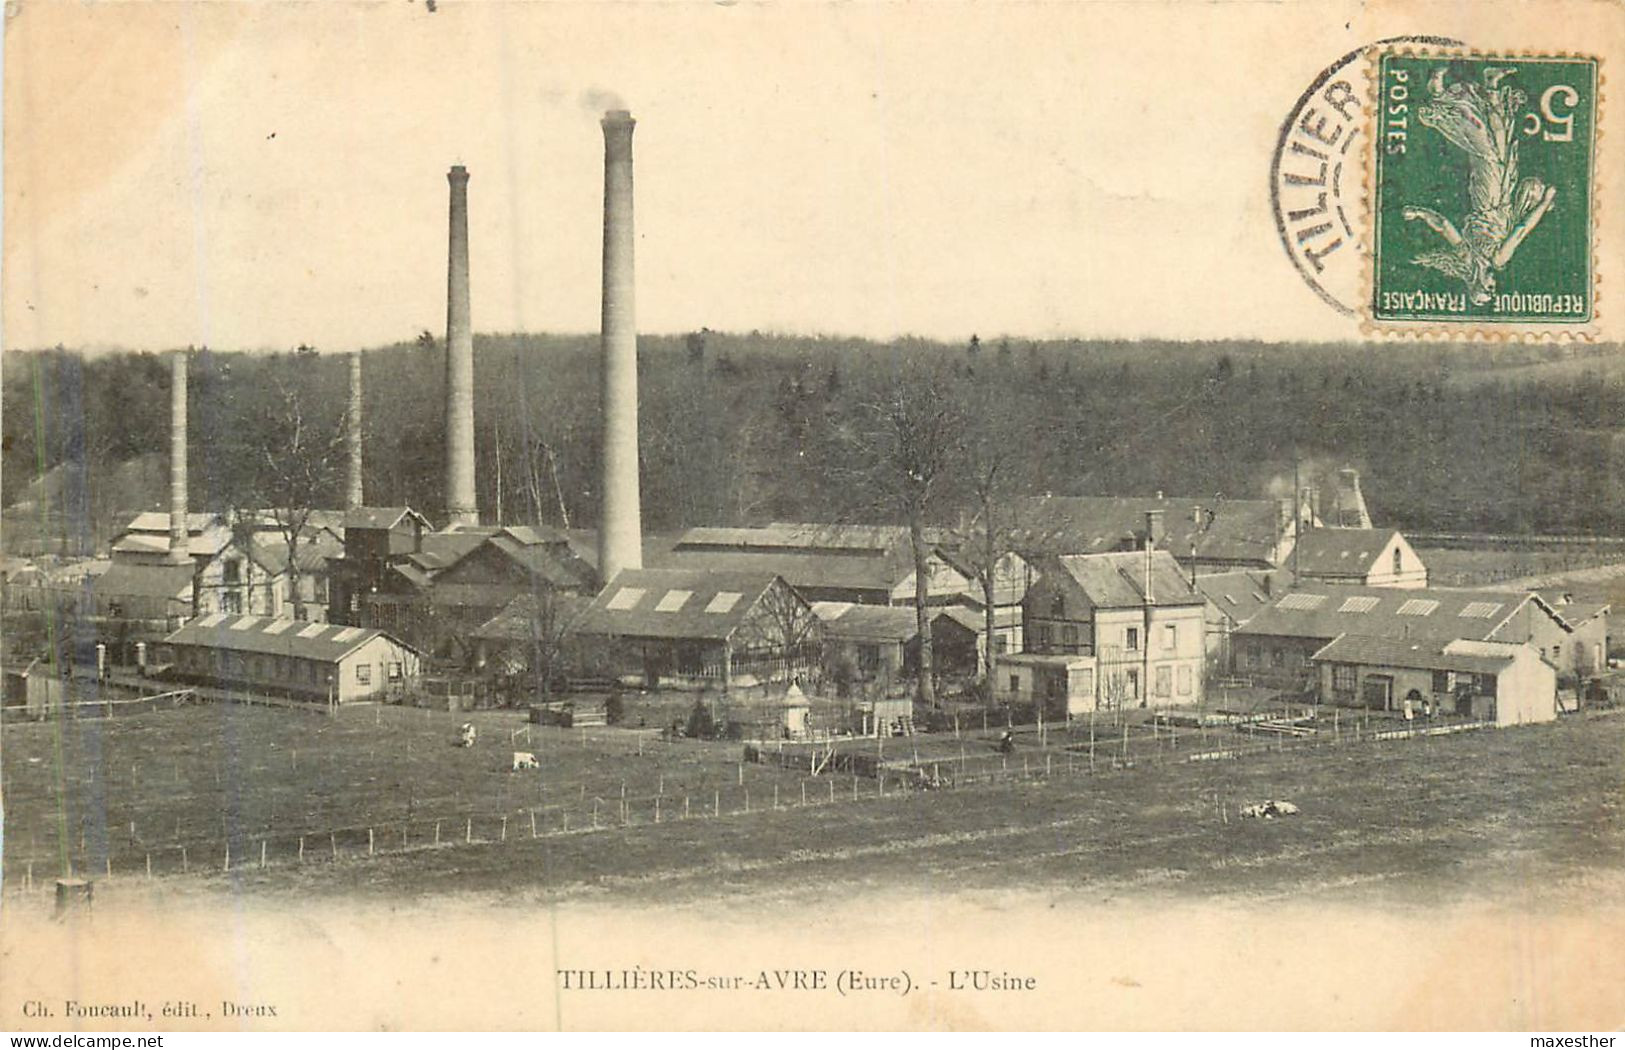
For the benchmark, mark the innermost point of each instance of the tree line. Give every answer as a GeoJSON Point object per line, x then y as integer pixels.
{"type": "Point", "coordinates": [747, 428]}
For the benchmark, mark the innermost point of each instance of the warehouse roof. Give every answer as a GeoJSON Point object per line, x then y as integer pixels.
{"type": "Point", "coordinates": [1217, 529]}
{"type": "Point", "coordinates": [328, 642]}
{"type": "Point", "coordinates": [676, 603]}
{"type": "Point", "coordinates": [1429, 655]}
{"type": "Point", "coordinates": [1326, 611]}
{"type": "Point", "coordinates": [125, 580]}
{"type": "Point", "coordinates": [1339, 552]}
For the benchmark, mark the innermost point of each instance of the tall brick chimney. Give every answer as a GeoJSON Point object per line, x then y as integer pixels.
{"type": "Point", "coordinates": [461, 506]}
{"type": "Point", "coordinates": [1351, 509]}
{"type": "Point", "coordinates": [179, 544]}
{"type": "Point", "coordinates": [620, 531]}
{"type": "Point", "coordinates": [353, 491]}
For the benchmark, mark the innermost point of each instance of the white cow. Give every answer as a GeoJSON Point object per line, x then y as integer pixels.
{"type": "Point", "coordinates": [465, 736]}
{"type": "Point", "coordinates": [524, 760]}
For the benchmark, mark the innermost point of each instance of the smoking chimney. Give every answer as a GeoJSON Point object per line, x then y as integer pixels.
{"type": "Point", "coordinates": [179, 546]}
{"type": "Point", "coordinates": [1351, 510]}
{"type": "Point", "coordinates": [620, 539]}
{"type": "Point", "coordinates": [461, 508]}
{"type": "Point", "coordinates": [353, 495]}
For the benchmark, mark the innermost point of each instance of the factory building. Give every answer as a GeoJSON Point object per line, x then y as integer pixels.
{"type": "Point", "coordinates": [1275, 647]}
{"type": "Point", "coordinates": [309, 661]}
{"type": "Point", "coordinates": [697, 628]}
{"type": "Point", "coordinates": [1202, 535]}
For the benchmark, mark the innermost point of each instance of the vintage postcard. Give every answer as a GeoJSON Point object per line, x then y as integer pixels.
{"type": "Point", "coordinates": [681, 516]}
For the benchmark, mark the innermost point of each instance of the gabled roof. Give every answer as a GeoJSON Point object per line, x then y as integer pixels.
{"type": "Point", "coordinates": [525, 618]}
{"type": "Point", "coordinates": [1339, 552]}
{"type": "Point", "coordinates": [676, 603]}
{"type": "Point", "coordinates": [158, 521]}
{"type": "Point", "coordinates": [544, 554]}
{"type": "Point", "coordinates": [205, 542]}
{"type": "Point", "coordinates": [316, 546]}
{"type": "Point", "coordinates": [1424, 654]}
{"type": "Point", "coordinates": [1218, 529]}
{"type": "Point", "coordinates": [1575, 613]}
{"type": "Point", "coordinates": [380, 517]}
{"type": "Point", "coordinates": [306, 640]}
{"type": "Point", "coordinates": [847, 557]}
{"type": "Point", "coordinates": [848, 621]}
{"type": "Point", "coordinates": [125, 580]}
{"type": "Point", "coordinates": [1238, 595]}
{"type": "Point", "coordinates": [1118, 581]}
{"type": "Point", "coordinates": [1315, 610]}
{"type": "Point", "coordinates": [441, 550]}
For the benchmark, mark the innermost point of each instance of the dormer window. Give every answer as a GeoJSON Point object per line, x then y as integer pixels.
{"type": "Point", "coordinates": [1057, 608]}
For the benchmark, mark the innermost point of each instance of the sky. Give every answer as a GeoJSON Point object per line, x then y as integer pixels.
{"type": "Point", "coordinates": [259, 176]}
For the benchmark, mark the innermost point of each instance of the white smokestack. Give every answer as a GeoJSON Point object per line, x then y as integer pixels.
{"type": "Point", "coordinates": [353, 494]}
{"type": "Point", "coordinates": [620, 533]}
{"type": "Point", "coordinates": [179, 545]}
{"type": "Point", "coordinates": [461, 506]}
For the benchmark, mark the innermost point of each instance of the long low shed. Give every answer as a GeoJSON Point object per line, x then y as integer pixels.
{"type": "Point", "coordinates": [322, 661]}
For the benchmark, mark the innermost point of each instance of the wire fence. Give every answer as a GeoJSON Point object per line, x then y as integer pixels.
{"type": "Point", "coordinates": [125, 853]}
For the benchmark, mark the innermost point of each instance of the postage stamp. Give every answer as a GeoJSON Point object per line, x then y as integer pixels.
{"type": "Point", "coordinates": [1482, 191]}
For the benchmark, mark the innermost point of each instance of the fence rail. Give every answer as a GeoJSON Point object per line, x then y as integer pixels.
{"type": "Point", "coordinates": [103, 857]}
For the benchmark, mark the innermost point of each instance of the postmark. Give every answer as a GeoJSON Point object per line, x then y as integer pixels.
{"type": "Point", "coordinates": [1482, 192]}
{"type": "Point", "coordinates": [1316, 173]}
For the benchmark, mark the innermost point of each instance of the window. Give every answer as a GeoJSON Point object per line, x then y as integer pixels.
{"type": "Point", "coordinates": [1086, 681]}
{"type": "Point", "coordinates": [1170, 637]}
{"type": "Point", "coordinates": [1069, 636]}
{"type": "Point", "coordinates": [1486, 685]}
{"type": "Point", "coordinates": [363, 674]}
{"type": "Point", "coordinates": [1001, 645]}
{"type": "Point", "coordinates": [1133, 643]}
{"type": "Point", "coordinates": [232, 571]}
{"type": "Point", "coordinates": [231, 602]}
{"type": "Point", "coordinates": [1345, 677]}
{"type": "Point", "coordinates": [1015, 683]}
{"type": "Point", "coordinates": [395, 671]}
{"type": "Point", "coordinates": [1057, 607]}
{"type": "Point", "coordinates": [1441, 681]}
{"type": "Point", "coordinates": [1397, 561]}
{"type": "Point", "coordinates": [1133, 683]}
{"type": "Point", "coordinates": [1186, 680]}
{"type": "Point", "coordinates": [1164, 681]}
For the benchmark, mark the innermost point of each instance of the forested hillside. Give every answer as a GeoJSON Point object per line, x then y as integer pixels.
{"type": "Point", "coordinates": [743, 428]}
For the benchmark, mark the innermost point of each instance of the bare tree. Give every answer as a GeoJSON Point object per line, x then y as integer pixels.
{"type": "Point", "coordinates": [904, 446]}
{"type": "Point", "coordinates": [291, 462]}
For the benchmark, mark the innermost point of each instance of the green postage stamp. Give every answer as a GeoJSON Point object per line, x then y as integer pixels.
{"type": "Point", "coordinates": [1482, 191]}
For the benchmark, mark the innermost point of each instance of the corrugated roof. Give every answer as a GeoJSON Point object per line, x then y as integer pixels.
{"type": "Point", "coordinates": [1428, 655]}
{"type": "Point", "coordinates": [1118, 580]}
{"type": "Point", "coordinates": [1324, 611]}
{"type": "Point", "coordinates": [158, 521]}
{"type": "Point", "coordinates": [1339, 552]}
{"type": "Point", "coordinates": [144, 581]}
{"type": "Point", "coordinates": [626, 608]}
{"type": "Point", "coordinates": [327, 642]}
{"type": "Point", "coordinates": [206, 542]}
{"type": "Point", "coordinates": [1218, 529]}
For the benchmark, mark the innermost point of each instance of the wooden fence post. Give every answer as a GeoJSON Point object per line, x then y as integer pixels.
{"type": "Point", "coordinates": [333, 841]}
{"type": "Point", "coordinates": [504, 828]}
{"type": "Point", "coordinates": [185, 867]}
{"type": "Point", "coordinates": [301, 849]}
{"type": "Point", "coordinates": [262, 853]}
{"type": "Point", "coordinates": [533, 822]}
{"type": "Point", "coordinates": [468, 830]}
{"type": "Point", "coordinates": [369, 842]}
{"type": "Point", "coordinates": [149, 865]}
{"type": "Point", "coordinates": [436, 828]}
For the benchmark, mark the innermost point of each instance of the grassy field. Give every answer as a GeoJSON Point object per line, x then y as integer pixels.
{"type": "Point", "coordinates": [1449, 567]}
{"type": "Point", "coordinates": [203, 778]}
{"type": "Point", "coordinates": [1420, 819]}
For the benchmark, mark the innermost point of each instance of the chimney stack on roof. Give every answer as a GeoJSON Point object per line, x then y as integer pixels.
{"type": "Point", "coordinates": [620, 530]}
{"type": "Point", "coordinates": [461, 506]}
{"type": "Point", "coordinates": [1351, 509]}
{"type": "Point", "coordinates": [179, 543]}
{"type": "Point", "coordinates": [353, 492]}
